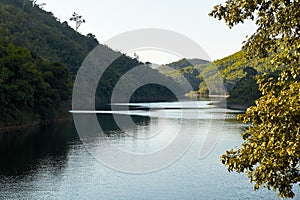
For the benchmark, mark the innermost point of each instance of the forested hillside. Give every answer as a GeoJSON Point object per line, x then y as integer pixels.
{"type": "Point", "coordinates": [31, 88]}
{"type": "Point", "coordinates": [39, 60]}
{"type": "Point", "coordinates": [43, 34]}
{"type": "Point", "coordinates": [237, 72]}
{"type": "Point", "coordinates": [185, 68]}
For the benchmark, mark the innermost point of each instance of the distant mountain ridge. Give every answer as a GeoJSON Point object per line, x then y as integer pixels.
{"type": "Point", "coordinates": [180, 64]}
{"type": "Point", "coordinates": [188, 69]}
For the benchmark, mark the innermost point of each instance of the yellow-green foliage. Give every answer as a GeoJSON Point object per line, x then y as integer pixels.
{"type": "Point", "coordinates": [270, 154]}
{"type": "Point", "coordinates": [231, 69]}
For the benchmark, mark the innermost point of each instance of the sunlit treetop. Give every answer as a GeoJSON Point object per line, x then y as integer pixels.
{"type": "Point", "coordinates": [278, 27]}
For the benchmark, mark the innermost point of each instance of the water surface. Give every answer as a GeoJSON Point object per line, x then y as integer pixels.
{"type": "Point", "coordinates": [52, 163]}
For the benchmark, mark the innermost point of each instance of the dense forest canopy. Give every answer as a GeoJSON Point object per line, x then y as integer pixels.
{"type": "Point", "coordinates": [30, 88]}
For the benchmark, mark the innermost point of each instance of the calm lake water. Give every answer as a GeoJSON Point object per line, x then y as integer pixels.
{"type": "Point", "coordinates": [52, 163]}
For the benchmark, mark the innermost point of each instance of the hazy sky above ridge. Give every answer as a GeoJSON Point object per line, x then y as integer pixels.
{"type": "Point", "coordinates": [108, 18]}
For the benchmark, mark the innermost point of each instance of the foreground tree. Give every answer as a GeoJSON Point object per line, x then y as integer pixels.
{"type": "Point", "coordinates": [270, 154]}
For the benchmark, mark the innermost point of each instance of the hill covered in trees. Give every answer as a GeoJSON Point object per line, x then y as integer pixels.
{"type": "Point", "coordinates": [31, 27]}
{"type": "Point", "coordinates": [188, 69]}
{"type": "Point", "coordinates": [238, 74]}
{"type": "Point", "coordinates": [40, 57]}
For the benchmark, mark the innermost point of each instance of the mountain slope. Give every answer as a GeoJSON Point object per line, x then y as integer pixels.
{"type": "Point", "coordinates": [237, 72]}
{"type": "Point", "coordinates": [43, 34]}
{"type": "Point", "coordinates": [52, 49]}
{"type": "Point", "coordinates": [188, 69]}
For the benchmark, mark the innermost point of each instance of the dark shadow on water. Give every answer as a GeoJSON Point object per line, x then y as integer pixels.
{"type": "Point", "coordinates": [109, 125]}
{"type": "Point", "coordinates": [25, 151]}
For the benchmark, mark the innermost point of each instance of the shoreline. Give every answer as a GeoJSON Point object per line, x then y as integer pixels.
{"type": "Point", "coordinates": [233, 106]}
{"type": "Point", "coordinates": [33, 124]}
{"type": "Point", "coordinates": [222, 104]}
{"type": "Point", "coordinates": [237, 106]}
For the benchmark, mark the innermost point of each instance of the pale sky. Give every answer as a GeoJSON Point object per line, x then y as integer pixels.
{"type": "Point", "coordinates": [107, 18]}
